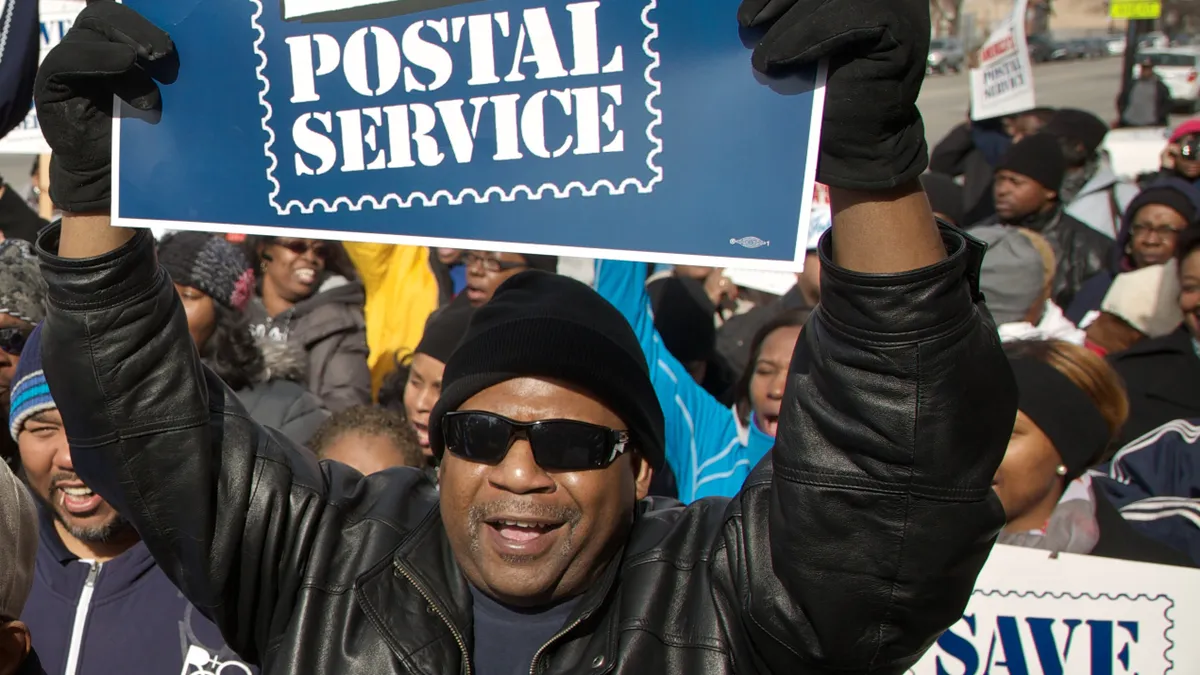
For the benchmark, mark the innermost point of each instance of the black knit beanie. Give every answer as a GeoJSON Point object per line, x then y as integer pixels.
{"type": "Point", "coordinates": [545, 263]}
{"type": "Point", "coordinates": [546, 325]}
{"type": "Point", "coordinates": [1078, 125]}
{"type": "Point", "coordinates": [445, 329]}
{"type": "Point", "coordinates": [945, 196]}
{"type": "Point", "coordinates": [210, 263]}
{"type": "Point", "coordinates": [683, 315]}
{"type": "Point", "coordinates": [1167, 196]}
{"type": "Point", "coordinates": [1039, 157]}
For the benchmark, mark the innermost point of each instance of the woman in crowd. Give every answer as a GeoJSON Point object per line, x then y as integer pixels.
{"type": "Point", "coordinates": [416, 383]}
{"type": "Point", "coordinates": [1149, 235]}
{"type": "Point", "coordinates": [308, 296]}
{"type": "Point", "coordinates": [22, 305]}
{"type": "Point", "coordinates": [215, 282]}
{"type": "Point", "coordinates": [1070, 409]}
{"type": "Point", "coordinates": [1163, 374]}
{"type": "Point", "coordinates": [710, 447]}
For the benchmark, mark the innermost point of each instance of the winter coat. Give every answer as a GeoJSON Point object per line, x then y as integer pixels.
{"type": "Point", "coordinates": [1162, 378]}
{"type": "Point", "coordinates": [330, 327]}
{"type": "Point", "coordinates": [1102, 200]}
{"type": "Point", "coordinates": [1085, 522]}
{"type": "Point", "coordinates": [279, 398]}
{"type": "Point", "coordinates": [848, 550]}
{"type": "Point", "coordinates": [972, 150]}
{"type": "Point", "coordinates": [1092, 293]}
{"type": "Point", "coordinates": [709, 451]}
{"type": "Point", "coordinates": [1155, 482]}
{"type": "Point", "coordinates": [122, 616]}
{"type": "Point", "coordinates": [1162, 102]}
{"type": "Point", "coordinates": [20, 48]}
{"type": "Point", "coordinates": [401, 292]}
{"type": "Point", "coordinates": [1080, 251]}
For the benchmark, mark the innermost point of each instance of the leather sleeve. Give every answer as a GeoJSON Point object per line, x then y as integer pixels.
{"type": "Point", "coordinates": [229, 510]}
{"type": "Point", "coordinates": [861, 540]}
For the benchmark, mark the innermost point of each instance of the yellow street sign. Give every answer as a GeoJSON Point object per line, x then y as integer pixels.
{"type": "Point", "coordinates": [1135, 9]}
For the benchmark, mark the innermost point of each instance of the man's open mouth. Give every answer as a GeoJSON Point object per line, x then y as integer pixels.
{"type": "Point", "coordinates": [520, 530]}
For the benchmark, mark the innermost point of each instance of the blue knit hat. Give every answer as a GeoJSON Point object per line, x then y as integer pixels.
{"type": "Point", "coordinates": [31, 392]}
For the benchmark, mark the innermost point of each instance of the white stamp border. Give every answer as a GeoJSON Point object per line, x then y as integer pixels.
{"type": "Point", "coordinates": [476, 197]}
{"type": "Point", "coordinates": [1111, 597]}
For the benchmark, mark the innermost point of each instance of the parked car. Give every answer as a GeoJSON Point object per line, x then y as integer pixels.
{"type": "Point", "coordinates": [1061, 51]}
{"type": "Point", "coordinates": [1091, 48]}
{"type": "Point", "coordinates": [1115, 45]}
{"type": "Point", "coordinates": [1041, 48]}
{"type": "Point", "coordinates": [1179, 68]}
{"type": "Point", "coordinates": [946, 54]}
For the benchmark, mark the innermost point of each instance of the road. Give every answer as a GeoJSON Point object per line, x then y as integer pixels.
{"type": "Point", "coordinates": [1090, 85]}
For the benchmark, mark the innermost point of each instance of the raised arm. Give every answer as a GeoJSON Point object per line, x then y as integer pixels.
{"type": "Point", "coordinates": [228, 509]}
{"type": "Point", "coordinates": [702, 435]}
{"type": "Point", "coordinates": [861, 540]}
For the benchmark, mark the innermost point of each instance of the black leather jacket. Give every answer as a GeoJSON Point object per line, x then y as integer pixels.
{"type": "Point", "coordinates": [851, 553]}
{"type": "Point", "coordinates": [1081, 251]}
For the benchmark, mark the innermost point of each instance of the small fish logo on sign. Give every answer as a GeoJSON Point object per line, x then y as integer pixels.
{"type": "Point", "coordinates": [750, 242]}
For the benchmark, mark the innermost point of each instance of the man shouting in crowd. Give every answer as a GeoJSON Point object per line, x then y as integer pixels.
{"type": "Point", "coordinates": [849, 549]}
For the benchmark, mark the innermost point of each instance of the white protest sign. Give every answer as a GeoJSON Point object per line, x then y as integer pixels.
{"type": "Point", "coordinates": [56, 17]}
{"type": "Point", "coordinates": [1003, 82]}
{"type": "Point", "coordinates": [1074, 615]}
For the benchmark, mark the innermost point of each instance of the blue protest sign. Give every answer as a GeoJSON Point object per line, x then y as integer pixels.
{"type": "Point", "coordinates": [609, 128]}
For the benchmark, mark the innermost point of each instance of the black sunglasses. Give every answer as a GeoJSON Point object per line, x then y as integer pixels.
{"type": "Point", "coordinates": [12, 340]}
{"type": "Point", "coordinates": [558, 445]}
{"type": "Point", "coordinates": [301, 247]}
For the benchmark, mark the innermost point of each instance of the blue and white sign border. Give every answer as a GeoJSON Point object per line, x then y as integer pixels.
{"type": "Point", "coordinates": [445, 198]}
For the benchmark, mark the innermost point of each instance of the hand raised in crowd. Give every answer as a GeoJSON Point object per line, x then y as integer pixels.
{"type": "Point", "coordinates": [110, 50]}
{"type": "Point", "coordinates": [872, 136]}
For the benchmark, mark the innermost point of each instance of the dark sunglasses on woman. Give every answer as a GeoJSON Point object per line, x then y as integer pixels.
{"type": "Point", "coordinates": [301, 247]}
{"type": "Point", "coordinates": [12, 340]}
{"type": "Point", "coordinates": [558, 445]}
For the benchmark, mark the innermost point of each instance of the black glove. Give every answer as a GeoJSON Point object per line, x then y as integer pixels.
{"type": "Point", "coordinates": [109, 50]}
{"type": "Point", "coordinates": [872, 136]}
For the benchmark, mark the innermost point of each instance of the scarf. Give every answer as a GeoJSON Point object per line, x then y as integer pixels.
{"type": "Point", "coordinates": [1076, 179]}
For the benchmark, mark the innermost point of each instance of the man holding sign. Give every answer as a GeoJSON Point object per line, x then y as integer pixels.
{"type": "Point", "coordinates": [850, 548]}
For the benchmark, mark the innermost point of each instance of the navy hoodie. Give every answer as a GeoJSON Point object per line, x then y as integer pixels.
{"type": "Point", "coordinates": [1092, 293]}
{"type": "Point", "coordinates": [20, 47]}
{"type": "Point", "coordinates": [122, 617]}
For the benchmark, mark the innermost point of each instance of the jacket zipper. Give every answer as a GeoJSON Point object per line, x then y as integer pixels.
{"type": "Point", "coordinates": [81, 614]}
{"type": "Point", "coordinates": [538, 654]}
{"type": "Point", "coordinates": [462, 644]}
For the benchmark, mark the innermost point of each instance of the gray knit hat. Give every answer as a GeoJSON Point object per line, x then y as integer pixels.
{"type": "Point", "coordinates": [209, 263]}
{"type": "Point", "coordinates": [18, 540]}
{"type": "Point", "coordinates": [1013, 274]}
{"type": "Point", "coordinates": [22, 288]}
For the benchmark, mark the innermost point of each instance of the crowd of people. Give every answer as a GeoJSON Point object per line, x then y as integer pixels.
{"type": "Point", "coordinates": [277, 454]}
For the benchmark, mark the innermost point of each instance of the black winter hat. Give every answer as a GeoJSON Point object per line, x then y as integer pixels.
{"type": "Point", "coordinates": [1167, 196]}
{"type": "Point", "coordinates": [545, 263]}
{"type": "Point", "coordinates": [546, 325]}
{"type": "Point", "coordinates": [1039, 157]}
{"type": "Point", "coordinates": [945, 196]}
{"type": "Point", "coordinates": [683, 315]}
{"type": "Point", "coordinates": [445, 329]}
{"type": "Point", "coordinates": [1077, 125]}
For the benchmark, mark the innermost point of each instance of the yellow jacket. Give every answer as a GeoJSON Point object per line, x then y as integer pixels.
{"type": "Point", "coordinates": [401, 294]}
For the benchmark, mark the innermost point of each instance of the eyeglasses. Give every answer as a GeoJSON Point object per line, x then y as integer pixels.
{"type": "Point", "coordinates": [1162, 231]}
{"type": "Point", "coordinates": [558, 445]}
{"type": "Point", "coordinates": [1189, 148]}
{"type": "Point", "coordinates": [12, 340]}
{"type": "Point", "coordinates": [301, 247]}
{"type": "Point", "coordinates": [491, 264]}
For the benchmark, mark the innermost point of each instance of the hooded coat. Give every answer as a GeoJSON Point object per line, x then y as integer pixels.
{"type": "Point", "coordinates": [1092, 293]}
{"type": "Point", "coordinates": [279, 399]}
{"type": "Point", "coordinates": [331, 329]}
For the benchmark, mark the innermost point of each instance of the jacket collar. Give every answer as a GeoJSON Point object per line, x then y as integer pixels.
{"type": "Point", "coordinates": [426, 562]}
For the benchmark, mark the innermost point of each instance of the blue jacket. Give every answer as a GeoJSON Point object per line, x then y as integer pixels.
{"type": "Point", "coordinates": [709, 452]}
{"type": "Point", "coordinates": [122, 617]}
{"type": "Point", "coordinates": [20, 47]}
{"type": "Point", "coordinates": [1155, 482]}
